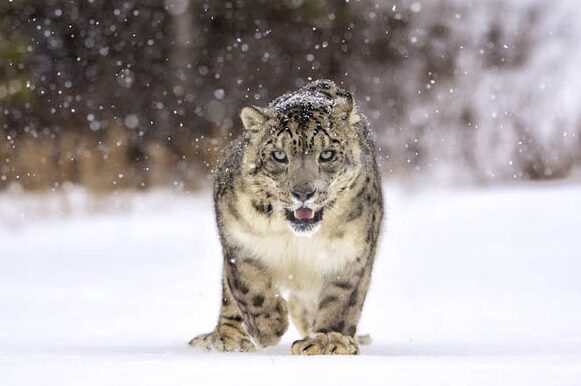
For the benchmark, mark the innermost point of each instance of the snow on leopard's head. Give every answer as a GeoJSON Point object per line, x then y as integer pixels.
{"type": "Point", "coordinates": [304, 150]}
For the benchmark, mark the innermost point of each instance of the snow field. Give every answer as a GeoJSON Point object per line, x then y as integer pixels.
{"type": "Point", "coordinates": [470, 287]}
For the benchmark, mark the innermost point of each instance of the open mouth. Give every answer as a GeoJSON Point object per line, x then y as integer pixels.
{"type": "Point", "coordinates": [304, 220]}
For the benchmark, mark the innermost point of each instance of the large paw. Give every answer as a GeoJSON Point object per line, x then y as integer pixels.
{"type": "Point", "coordinates": [332, 343]}
{"type": "Point", "coordinates": [267, 328]}
{"type": "Point", "coordinates": [224, 342]}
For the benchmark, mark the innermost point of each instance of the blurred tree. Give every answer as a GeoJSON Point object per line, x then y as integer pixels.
{"type": "Point", "coordinates": [168, 77]}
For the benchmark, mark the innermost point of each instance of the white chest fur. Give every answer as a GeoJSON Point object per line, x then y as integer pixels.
{"type": "Point", "coordinates": [296, 262]}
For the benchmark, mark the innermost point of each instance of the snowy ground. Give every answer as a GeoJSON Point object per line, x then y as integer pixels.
{"type": "Point", "coordinates": [471, 287]}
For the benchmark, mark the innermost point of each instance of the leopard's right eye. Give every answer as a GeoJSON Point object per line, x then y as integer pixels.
{"type": "Point", "coordinates": [279, 156]}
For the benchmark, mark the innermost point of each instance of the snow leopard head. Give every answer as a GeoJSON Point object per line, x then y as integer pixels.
{"type": "Point", "coordinates": [305, 150]}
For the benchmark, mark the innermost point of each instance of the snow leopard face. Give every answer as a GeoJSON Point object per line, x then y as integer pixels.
{"type": "Point", "coordinates": [304, 153]}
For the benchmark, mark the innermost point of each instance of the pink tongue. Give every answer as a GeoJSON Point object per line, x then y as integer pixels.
{"type": "Point", "coordinates": [304, 214]}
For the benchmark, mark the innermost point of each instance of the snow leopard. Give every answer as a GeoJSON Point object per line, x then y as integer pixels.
{"type": "Point", "coordinates": [299, 208]}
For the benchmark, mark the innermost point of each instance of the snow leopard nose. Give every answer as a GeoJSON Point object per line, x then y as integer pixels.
{"type": "Point", "coordinates": [303, 193]}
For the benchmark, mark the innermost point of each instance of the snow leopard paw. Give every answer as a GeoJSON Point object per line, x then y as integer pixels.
{"type": "Point", "coordinates": [332, 343]}
{"type": "Point", "coordinates": [223, 342]}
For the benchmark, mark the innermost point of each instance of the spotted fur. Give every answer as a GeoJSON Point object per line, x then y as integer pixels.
{"type": "Point", "coordinates": [309, 150]}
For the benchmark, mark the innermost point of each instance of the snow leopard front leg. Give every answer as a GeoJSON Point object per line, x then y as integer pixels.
{"type": "Point", "coordinates": [338, 313]}
{"type": "Point", "coordinates": [230, 333]}
{"type": "Point", "coordinates": [251, 309]}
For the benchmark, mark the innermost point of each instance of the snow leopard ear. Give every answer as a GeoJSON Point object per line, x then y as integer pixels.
{"type": "Point", "coordinates": [253, 118]}
{"type": "Point", "coordinates": [344, 108]}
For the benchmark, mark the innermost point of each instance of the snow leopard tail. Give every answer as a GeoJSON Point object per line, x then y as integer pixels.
{"type": "Point", "coordinates": [363, 340]}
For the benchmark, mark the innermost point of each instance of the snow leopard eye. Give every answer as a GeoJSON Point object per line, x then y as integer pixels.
{"type": "Point", "coordinates": [326, 155]}
{"type": "Point", "coordinates": [279, 156]}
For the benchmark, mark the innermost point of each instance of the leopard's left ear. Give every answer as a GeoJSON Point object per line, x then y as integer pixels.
{"type": "Point", "coordinates": [345, 108]}
{"type": "Point", "coordinates": [253, 118]}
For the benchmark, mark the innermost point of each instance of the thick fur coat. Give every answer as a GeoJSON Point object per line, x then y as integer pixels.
{"type": "Point", "coordinates": [299, 207]}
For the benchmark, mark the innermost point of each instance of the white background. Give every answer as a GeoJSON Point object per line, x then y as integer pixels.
{"type": "Point", "coordinates": [471, 287]}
